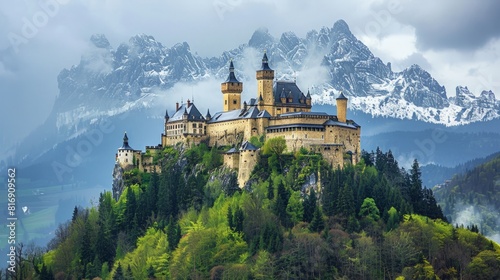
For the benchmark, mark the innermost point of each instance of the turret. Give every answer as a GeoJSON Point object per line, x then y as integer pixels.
{"type": "Point", "coordinates": [208, 116]}
{"type": "Point", "coordinates": [308, 98]}
{"type": "Point", "coordinates": [231, 89]}
{"type": "Point", "coordinates": [342, 108]}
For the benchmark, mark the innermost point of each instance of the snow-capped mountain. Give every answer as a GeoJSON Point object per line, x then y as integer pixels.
{"type": "Point", "coordinates": [110, 81]}
{"type": "Point", "coordinates": [128, 76]}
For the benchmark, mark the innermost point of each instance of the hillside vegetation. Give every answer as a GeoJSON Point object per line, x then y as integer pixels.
{"type": "Point", "coordinates": [474, 196]}
{"type": "Point", "coordinates": [299, 218]}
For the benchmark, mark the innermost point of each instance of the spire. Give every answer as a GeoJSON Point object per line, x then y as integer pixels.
{"type": "Point", "coordinates": [166, 115]}
{"type": "Point", "coordinates": [231, 78]}
{"type": "Point", "coordinates": [125, 145]}
{"type": "Point", "coordinates": [265, 62]}
{"type": "Point", "coordinates": [308, 95]}
{"type": "Point", "coordinates": [208, 116]}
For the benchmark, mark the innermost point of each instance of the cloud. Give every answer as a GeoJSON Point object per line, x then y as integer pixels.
{"type": "Point", "coordinates": [448, 24]}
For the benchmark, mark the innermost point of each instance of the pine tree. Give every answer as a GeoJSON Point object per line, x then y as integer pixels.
{"type": "Point", "coordinates": [230, 220]}
{"type": "Point", "coordinates": [416, 188]}
{"type": "Point", "coordinates": [310, 206]}
{"type": "Point", "coordinates": [281, 203]}
{"type": "Point", "coordinates": [270, 189]}
{"type": "Point", "coordinates": [173, 234]}
{"type": "Point", "coordinates": [317, 224]}
{"type": "Point", "coordinates": [130, 209]}
{"type": "Point", "coordinates": [238, 220]}
{"type": "Point", "coordinates": [75, 214]}
{"type": "Point", "coordinates": [119, 273]}
{"type": "Point", "coordinates": [151, 272]}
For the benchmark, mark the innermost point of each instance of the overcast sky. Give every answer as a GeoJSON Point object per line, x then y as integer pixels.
{"type": "Point", "coordinates": [458, 42]}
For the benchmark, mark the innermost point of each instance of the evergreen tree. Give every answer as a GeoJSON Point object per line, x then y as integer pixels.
{"type": "Point", "coordinates": [238, 220]}
{"type": "Point", "coordinates": [416, 188]}
{"type": "Point", "coordinates": [317, 224]}
{"type": "Point", "coordinates": [173, 234]}
{"type": "Point", "coordinates": [270, 189]}
{"type": "Point", "coordinates": [130, 208]}
{"type": "Point", "coordinates": [310, 204]}
{"type": "Point", "coordinates": [230, 220]}
{"type": "Point", "coordinates": [75, 214]}
{"type": "Point", "coordinates": [119, 273]}
{"type": "Point", "coordinates": [281, 203]}
{"type": "Point", "coordinates": [151, 272]}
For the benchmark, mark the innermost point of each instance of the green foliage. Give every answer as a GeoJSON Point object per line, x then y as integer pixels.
{"type": "Point", "coordinates": [191, 222]}
{"type": "Point", "coordinates": [295, 208]}
{"type": "Point", "coordinates": [476, 190]}
{"type": "Point", "coordinates": [257, 141]}
{"type": "Point", "coordinates": [369, 209]}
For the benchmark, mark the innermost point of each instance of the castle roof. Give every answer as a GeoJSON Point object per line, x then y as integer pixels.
{"type": "Point", "coordinates": [288, 90]}
{"type": "Point", "coordinates": [231, 151]}
{"type": "Point", "coordinates": [265, 63]}
{"type": "Point", "coordinates": [349, 124]}
{"type": "Point", "coordinates": [231, 78]}
{"type": "Point", "coordinates": [125, 145]}
{"type": "Point", "coordinates": [193, 114]}
{"type": "Point", "coordinates": [341, 96]}
{"type": "Point", "coordinates": [251, 112]}
{"type": "Point", "coordinates": [247, 146]}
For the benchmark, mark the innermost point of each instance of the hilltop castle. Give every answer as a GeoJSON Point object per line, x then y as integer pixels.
{"type": "Point", "coordinates": [280, 109]}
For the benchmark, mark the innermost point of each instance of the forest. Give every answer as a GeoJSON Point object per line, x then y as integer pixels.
{"type": "Point", "coordinates": [297, 218]}
{"type": "Point", "coordinates": [478, 190]}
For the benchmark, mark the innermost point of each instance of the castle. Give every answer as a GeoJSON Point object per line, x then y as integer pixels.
{"type": "Point", "coordinates": [280, 109]}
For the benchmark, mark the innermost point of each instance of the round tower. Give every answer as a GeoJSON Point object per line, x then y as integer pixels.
{"type": "Point", "coordinates": [231, 89]}
{"type": "Point", "coordinates": [125, 155]}
{"type": "Point", "coordinates": [265, 77]}
{"type": "Point", "coordinates": [342, 108]}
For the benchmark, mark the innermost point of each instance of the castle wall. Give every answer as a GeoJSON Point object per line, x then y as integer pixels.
{"type": "Point", "coordinates": [232, 160]}
{"type": "Point", "coordinates": [232, 132]}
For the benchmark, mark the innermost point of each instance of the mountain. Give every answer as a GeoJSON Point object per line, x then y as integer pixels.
{"type": "Point", "coordinates": [110, 82]}
{"type": "Point", "coordinates": [433, 174]}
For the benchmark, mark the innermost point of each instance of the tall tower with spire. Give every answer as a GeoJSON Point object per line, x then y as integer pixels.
{"type": "Point", "coordinates": [231, 89]}
{"type": "Point", "coordinates": [125, 155]}
{"type": "Point", "coordinates": [265, 77]}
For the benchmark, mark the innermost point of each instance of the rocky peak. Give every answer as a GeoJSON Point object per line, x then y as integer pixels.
{"type": "Point", "coordinates": [487, 99]}
{"type": "Point", "coordinates": [261, 39]}
{"type": "Point", "coordinates": [463, 97]}
{"type": "Point", "coordinates": [100, 41]}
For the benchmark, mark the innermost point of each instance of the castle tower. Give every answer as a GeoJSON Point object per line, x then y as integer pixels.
{"type": "Point", "coordinates": [265, 78]}
{"type": "Point", "coordinates": [249, 156]}
{"type": "Point", "coordinates": [125, 155]}
{"type": "Point", "coordinates": [342, 108]}
{"type": "Point", "coordinates": [231, 89]}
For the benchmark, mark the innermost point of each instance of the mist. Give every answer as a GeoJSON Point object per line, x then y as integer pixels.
{"type": "Point", "coordinates": [484, 216]}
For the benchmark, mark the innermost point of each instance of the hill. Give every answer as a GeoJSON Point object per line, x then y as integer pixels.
{"type": "Point", "coordinates": [298, 219]}
{"type": "Point", "coordinates": [473, 197]}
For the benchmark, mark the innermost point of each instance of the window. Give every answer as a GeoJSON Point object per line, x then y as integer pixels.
{"type": "Point", "coordinates": [234, 101]}
{"type": "Point", "coordinates": [225, 102]}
